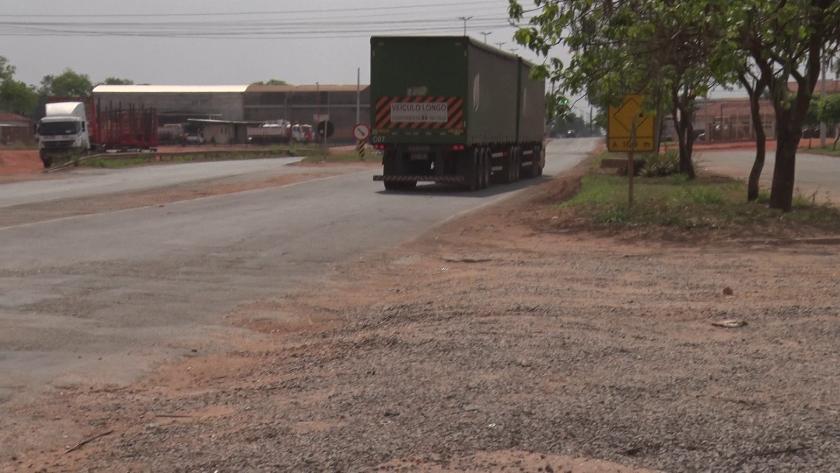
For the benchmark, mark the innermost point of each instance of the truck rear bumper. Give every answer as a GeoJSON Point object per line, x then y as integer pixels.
{"type": "Point", "coordinates": [442, 179]}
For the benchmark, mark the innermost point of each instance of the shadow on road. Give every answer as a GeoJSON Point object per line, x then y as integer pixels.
{"type": "Point", "coordinates": [448, 190]}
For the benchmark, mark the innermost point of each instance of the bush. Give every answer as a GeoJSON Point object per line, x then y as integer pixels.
{"type": "Point", "coordinates": [657, 165]}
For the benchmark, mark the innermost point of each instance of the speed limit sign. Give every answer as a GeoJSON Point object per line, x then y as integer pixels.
{"type": "Point", "coordinates": [361, 132]}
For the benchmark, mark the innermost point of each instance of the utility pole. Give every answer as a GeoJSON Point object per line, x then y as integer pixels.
{"type": "Point", "coordinates": [822, 96]}
{"type": "Point", "coordinates": [500, 44]}
{"type": "Point", "coordinates": [485, 35]}
{"type": "Point", "coordinates": [358, 95]}
{"type": "Point", "coordinates": [464, 19]}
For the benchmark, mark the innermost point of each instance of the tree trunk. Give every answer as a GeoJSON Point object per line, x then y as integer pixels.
{"type": "Point", "coordinates": [784, 172]}
{"type": "Point", "coordinates": [760, 149]}
{"type": "Point", "coordinates": [685, 132]}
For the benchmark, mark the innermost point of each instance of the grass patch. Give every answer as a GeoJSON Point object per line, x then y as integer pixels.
{"type": "Point", "coordinates": [348, 157]}
{"type": "Point", "coordinates": [675, 203]}
{"type": "Point", "coordinates": [825, 151]}
{"type": "Point", "coordinates": [117, 161]}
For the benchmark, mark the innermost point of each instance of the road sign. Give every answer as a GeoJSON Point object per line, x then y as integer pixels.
{"type": "Point", "coordinates": [361, 131]}
{"type": "Point", "coordinates": [620, 127]}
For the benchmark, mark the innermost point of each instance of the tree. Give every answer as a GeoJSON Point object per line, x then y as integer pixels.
{"type": "Point", "coordinates": [68, 84]}
{"type": "Point", "coordinates": [116, 81]}
{"type": "Point", "coordinates": [658, 48]}
{"type": "Point", "coordinates": [7, 71]}
{"type": "Point", "coordinates": [829, 112]}
{"type": "Point", "coordinates": [271, 82]}
{"type": "Point", "coordinates": [786, 39]}
{"type": "Point", "coordinates": [15, 96]}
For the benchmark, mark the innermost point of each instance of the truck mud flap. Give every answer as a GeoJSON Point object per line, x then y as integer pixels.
{"type": "Point", "coordinates": [441, 179]}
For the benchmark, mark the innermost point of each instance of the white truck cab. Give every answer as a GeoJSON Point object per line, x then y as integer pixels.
{"type": "Point", "coordinates": [63, 131]}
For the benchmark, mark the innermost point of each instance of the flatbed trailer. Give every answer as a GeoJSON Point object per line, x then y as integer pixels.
{"type": "Point", "coordinates": [452, 110]}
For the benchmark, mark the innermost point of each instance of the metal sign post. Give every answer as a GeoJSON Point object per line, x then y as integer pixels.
{"type": "Point", "coordinates": [361, 133]}
{"type": "Point", "coordinates": [631, 166]}
{"type": "Point", "coordinates": [628, 129]}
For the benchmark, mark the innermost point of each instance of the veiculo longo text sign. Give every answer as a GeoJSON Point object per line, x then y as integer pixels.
{"type": "Point", "coordinates": [419, 112]}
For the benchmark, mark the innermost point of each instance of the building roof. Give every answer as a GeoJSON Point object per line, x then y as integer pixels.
{"type": "Point", "coordinates": [169, 89]}
{"type": "Point", "coordinates": [831, 87]}
{"type": "Point", "coordinates": [306, 88]}
{"type": "Point", "coordinates": [13, 119]}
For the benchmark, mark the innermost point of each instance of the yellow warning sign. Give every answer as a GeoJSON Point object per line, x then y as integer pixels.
{"type": "Point", "coordinates": [361, 149]}
{"type": "Point", "coordinates": [620, 127]}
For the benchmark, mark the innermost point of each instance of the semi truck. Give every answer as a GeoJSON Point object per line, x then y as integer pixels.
{"type": "Point", "coordinates": [77, 127]}
{"type": "Point", "coordinates": [450, 109]}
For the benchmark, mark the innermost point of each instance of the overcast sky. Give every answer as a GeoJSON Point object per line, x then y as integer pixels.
{"type": "Point", "coordinates": [200, 41]}
{"type": "Point", "coordinates": [224, 42]}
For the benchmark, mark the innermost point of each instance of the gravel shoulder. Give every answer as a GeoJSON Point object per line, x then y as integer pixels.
{"type": "Point", "coordinates": [492, 343]}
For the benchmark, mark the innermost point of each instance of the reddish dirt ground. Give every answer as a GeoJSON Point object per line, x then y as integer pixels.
{"type": "Point", "coordinates": [20, 162]}
{"type": "Point", "coordinates": [496, 342]}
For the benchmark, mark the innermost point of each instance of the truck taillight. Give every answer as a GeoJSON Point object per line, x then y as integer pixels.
{"type": "Point", "coordinates": [378, 146]}
{"type": "Point", "coordinates": [458, 147]}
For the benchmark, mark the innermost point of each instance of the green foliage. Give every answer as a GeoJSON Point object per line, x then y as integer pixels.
{"type": "Point", "coordinates": [116, 81]}
{"type": "Point", "coordinates": [661, 50]}
{"type": "Point", "coordinates": [829, 109]}
{"type": "Point", "coordinates": [15, 96]}
{"type": "Point", "coordinates": [557, 107]}
{"type": "Point", "coordinates": [67, 84]}
{"type": "Point", "coordinates": [271, 82]}
{"type": "Point", "coordinates": [812, 118]}
{"type": "Point", "coordinates": [7, 71]}
{"type": "Point", "coordinates": [664, 164]}
{"type": "Point", "coordinates": [676, 202]}
{"type": "Point", "coordinates": [829, 112]}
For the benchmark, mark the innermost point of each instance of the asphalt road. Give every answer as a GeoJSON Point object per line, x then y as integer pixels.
{"type": "Point", "coordinates": [101, 299]}
{"type": "Point", "coordinates": [816, 175]}
{"type": "Point", "coordinates": [91, 182]}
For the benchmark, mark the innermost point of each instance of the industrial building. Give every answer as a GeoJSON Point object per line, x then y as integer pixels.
{"type": "Point", "coordinates": [310, 104]}
{"type": "Point", "coordinates": [15, 128]}
{"type": "Point", "coordinates": [238, 106]}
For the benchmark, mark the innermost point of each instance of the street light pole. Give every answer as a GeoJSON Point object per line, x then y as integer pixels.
{"type": "Point", "coordinates": [500, 44]}
{"type": "Point", "coordinates": [485, 35]}
{"type": "Point", "coordinates": [464, 19]}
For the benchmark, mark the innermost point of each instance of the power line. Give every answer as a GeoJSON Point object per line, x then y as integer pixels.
{"type": "Point", "coordinates": [273, 12]}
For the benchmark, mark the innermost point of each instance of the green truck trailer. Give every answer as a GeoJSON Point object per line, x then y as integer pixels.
{"type": "Point", "coordinates": [449, 109]}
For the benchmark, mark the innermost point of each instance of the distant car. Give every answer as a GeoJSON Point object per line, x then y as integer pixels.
{"type": "Point", "coordinates": [571, 134]}
{"type": "Point", "coordinates": [195, 139]}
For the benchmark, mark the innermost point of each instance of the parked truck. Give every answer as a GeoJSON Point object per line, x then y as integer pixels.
{"type": "Point", "coordinates": [74, 128]}
{"type": "Point", "coordinates": [450, 109]}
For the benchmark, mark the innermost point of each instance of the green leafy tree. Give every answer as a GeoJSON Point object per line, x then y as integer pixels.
{"type": "Point", "coordinates": [15, 96]}
{"type": "Point", "coordinates": [67, 84]}
{"type": "Point", "coordinates": [271, 82]}
{"type": "Point", "coordinates": [116, 81]}
{"type": "Point", "coordinates": [7, 71]}
{"type": "Point", "coordinates": [785, 40]}
{"type": "Point", "coordinates": [658, 48]}
{"type": "Point", "coordinates": [829, 112]}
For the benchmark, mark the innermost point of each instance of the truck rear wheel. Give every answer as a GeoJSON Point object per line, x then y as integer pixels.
{"type": "Point", "coordinates": [484, 169]}
{"type": "Point", "coordinates": [472, 178]}
{"type": "Point", "coordinates": [535, 164]}
{"type": "Point", "coordinates": [515, 163]}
